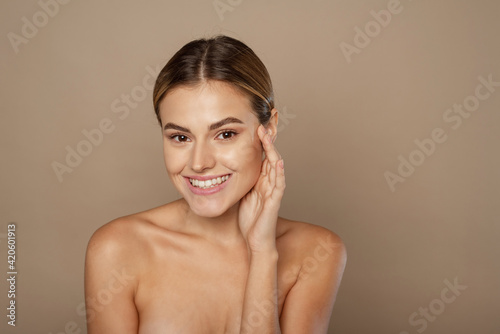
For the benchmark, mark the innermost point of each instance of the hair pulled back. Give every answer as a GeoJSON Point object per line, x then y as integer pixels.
{"type": "Point", "coordinates": [219, 58]}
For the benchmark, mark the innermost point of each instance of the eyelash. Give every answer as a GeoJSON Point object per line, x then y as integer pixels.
{"type": "Point", "coordinates": [234, 133]}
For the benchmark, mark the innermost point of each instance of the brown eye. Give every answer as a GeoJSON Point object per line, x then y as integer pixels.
{"type": "Point", "coordinates": [227, 135]}
{"type": "Point", "coordinates": [180, 138]}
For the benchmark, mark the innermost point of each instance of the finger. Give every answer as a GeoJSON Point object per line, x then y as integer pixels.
{"type": "Point", "coordinates": [272, 175]}
{"type": "Point", "coordinates": [261, 132]}
{"type": "Point", "coordinates": [280, 177]}
{"type": "Point", "coordinates": [271, 152]}
{"type": "Point", "coordinates": [264, 167]}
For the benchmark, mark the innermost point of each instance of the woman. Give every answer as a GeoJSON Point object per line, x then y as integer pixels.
{"type": "Point", "coordinates": [219, 259]}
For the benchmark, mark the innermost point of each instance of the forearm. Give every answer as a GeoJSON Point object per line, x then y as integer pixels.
{"type": "Point", "coordinates": [260, 307]}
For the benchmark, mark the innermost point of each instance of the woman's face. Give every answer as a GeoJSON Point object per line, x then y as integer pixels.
{"type": "Point", "coordinates": [210, 133]}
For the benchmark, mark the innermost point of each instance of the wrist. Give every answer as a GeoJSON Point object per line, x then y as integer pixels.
{"type": "Point", "coordinates": [265, 254]}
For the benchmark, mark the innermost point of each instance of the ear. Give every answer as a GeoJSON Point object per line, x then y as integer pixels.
{"type": "Point", "coordinates": [272, 126]}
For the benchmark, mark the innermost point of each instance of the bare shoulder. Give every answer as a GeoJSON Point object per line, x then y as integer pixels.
{"type": "Point", "coordinates": [313, 261]}
{"type": "Point", "coordinates": [306, 240]}
{"type": "Point", "coordinates": [112, 248]}
{"type": "Point", "coordinates": [115, 263]}
{"type": "Point", "coordinates": [113, 236]}
{"type": "Point", "coordinates": [130, 237]}
{"type": "Point", "coordinates": [125, 238]}
{"type": "Point", "coordinates": [303, 233]}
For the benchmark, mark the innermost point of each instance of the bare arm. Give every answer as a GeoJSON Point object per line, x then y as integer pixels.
{"type": "Point", "coordinates": [308, 306]}
{"type": "Point", "coordinates": [110, 282]}
{"type": "Point", "coordinates": [260, 308]}
{"type": "Point", "coordinates": [258, 215]}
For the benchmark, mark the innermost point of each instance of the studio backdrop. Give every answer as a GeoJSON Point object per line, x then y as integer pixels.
{"type": "Point", "coordinates": [389, 125]}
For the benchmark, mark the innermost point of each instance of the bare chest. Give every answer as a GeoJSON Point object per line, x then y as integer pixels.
{"type": "Point", "coordinates": [192, 292]}
{"type": "Point", "coordinates": [195, 292]}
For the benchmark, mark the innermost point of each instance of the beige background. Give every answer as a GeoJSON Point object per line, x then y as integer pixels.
{"type": "Point", "coordinates": [344, 125]}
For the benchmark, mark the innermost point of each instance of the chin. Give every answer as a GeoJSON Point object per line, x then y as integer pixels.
{"type": "Point", "coordinates": [212, 214]}
{"type": "Point", "coordinates": [206, 208]}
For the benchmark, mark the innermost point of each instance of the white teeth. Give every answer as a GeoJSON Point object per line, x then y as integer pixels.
{"type": "Point", "coordinates": [209, 183]}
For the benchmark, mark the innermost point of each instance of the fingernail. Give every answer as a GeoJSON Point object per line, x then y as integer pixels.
{"type": "Point", "coordinates": [282, 164]}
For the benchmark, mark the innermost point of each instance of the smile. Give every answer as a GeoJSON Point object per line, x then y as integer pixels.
{"type": "Point", "coordinates": [207, 185]}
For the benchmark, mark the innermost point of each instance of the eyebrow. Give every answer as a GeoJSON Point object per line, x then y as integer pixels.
{"type": "Point", "coordinates": [213, 126]}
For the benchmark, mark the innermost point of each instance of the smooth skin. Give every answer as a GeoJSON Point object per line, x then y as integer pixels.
{"type": "Point", "coordinates": [219, 263]}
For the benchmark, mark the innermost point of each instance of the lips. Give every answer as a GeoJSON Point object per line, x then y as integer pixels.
{"type": "Point", "coordinates": [208, 180]}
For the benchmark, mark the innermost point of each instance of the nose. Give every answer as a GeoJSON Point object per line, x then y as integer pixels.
{"type": "Point", "coordinates": [202, 157]}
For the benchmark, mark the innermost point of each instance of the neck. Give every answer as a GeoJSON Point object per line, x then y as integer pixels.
{"type": "Point", "coordinates": [223, 229]}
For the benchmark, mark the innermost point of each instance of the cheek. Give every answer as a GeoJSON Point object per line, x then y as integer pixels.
{"type": "Point", "coordinates": [174, 160]}
{"type": "Point", "coordinates": [246, 157]}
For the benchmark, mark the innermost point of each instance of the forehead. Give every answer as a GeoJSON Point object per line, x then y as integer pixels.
{"type": "Point", "coordinates": [206, 103]}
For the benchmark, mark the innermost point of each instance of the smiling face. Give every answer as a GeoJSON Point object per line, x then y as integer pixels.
{"type": "Point", "coordinates": [210, 134]}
